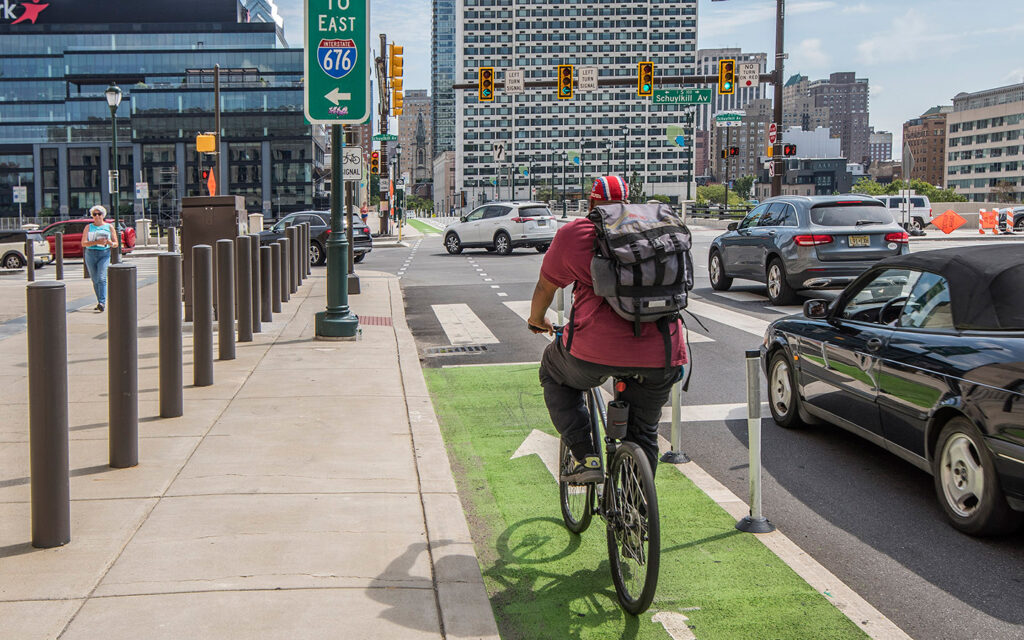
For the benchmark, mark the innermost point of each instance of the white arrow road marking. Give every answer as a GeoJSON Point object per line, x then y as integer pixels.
{"type": "Point", "coordinates": [336, 96]}
{"type": "Point", "coordinates": [546, 448]}
{"type": "Point", "coordinates": [675, 625]}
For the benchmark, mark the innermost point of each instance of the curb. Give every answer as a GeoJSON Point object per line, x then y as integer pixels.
{"type": "Point", "coordinates": [463, 604]}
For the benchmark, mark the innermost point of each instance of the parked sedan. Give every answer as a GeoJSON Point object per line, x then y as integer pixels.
{"type": "Point", "coordinates": [319, 232]}
{"type": "Point", "coordinates": [72, 230]}
{"type": "Point", "coordinates": [12, 249]}
{"type": "Point", "coordinates": [923, 355]}
{"type": "Point", "coordinates": [795, 243]}
{"type": "Point", "coordinates": [501, 227]}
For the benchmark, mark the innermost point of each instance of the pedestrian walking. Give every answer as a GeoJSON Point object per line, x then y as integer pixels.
{"type": "Point", "coordinates": [99, 238]}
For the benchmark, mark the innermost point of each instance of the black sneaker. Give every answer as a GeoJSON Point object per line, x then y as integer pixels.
{"type": "Point", "coordinates": [583, 472]}
{"type": "Point", "coordinates": [99, 307]}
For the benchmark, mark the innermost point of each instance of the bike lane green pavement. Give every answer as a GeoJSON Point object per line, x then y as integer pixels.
{"type": "Point", "coordinates": [422, 226]}
{"type": "Point", "coordinates": [544, 582]}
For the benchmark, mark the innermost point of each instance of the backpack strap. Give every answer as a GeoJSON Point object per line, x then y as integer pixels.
{"type": "Point", "coordinates": [572, 323]}
{"type": "Point", "coordinates": [666, 337]}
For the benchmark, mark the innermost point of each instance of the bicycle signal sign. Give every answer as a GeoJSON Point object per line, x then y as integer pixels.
{"type": "Point", "coordinates": [337, 61]}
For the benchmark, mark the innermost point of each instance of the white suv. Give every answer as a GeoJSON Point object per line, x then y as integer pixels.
{"type": "Point", "coordinates": [12, 249]}
{"type": "Point", "coordinates": [501, 227]}
{"type": "Point", "coordinates": [920, 209]}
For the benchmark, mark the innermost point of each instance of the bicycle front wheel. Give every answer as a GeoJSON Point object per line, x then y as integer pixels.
{"type": "Point", "coordinates": [576, 499]}
{"type": "Point", "coordinates": [634, 531]}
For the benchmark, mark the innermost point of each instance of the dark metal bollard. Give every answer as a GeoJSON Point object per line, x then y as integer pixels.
{"type": "Point", "coordinates": [294, 247]}
{"type": "Point", "coordinates": [254, 257]}
{"type": "Point", "coordinates": [48, 415]}
{"type": "Point", "coordinates": [286, 268]}
{"type": "Point", "coordinates": [225, 299]}
{"type": "Point", "coordinates": [202, 315]}
{"type": "Point", "coordinates": [30, 259]}
{"type": "Point", "coordinates": [275, 281]}
{"type": "Point", "coordinates": [243, 288]}
{"type": "Point", "coordinates": [58, 250]}
{"type": "Point", "coordinates": [266, 275]}
{"type": "Point", "coordinates": [172, 244]}
{"type": "Point", "coordinates": [169, 295]}
{"type": "Point", "coordinates": [309, 243]}
{"type": "Point", "coordinates": [123, 365]}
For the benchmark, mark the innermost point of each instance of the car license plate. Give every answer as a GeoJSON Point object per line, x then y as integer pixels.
{"type": "Point", "coordinates": [860, 241]}
{"type": "Point", "coordinates": [542, 223]}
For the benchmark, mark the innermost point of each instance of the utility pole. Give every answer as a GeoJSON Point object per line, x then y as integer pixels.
{"type": "Point", "coordinates": [728, 137]}
{"type": "Point", "coordinates": [780, 17]}
{"type": "Point", "coordinates": [691, 136]}
{"type": "Point", "coordinates": [383, 113]}
{"type": "Point", "coordinates": [565, 156]}
{"type": "Point", "coordinates": [625, 154]}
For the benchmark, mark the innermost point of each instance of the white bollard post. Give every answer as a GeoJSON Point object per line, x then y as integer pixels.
{"type": "Point", "coordinates": [755, 522]}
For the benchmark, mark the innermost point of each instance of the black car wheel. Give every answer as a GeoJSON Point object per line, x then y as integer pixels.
{"type": "Point", "coordinates": [716, 271]}
{"type": "Point", "coordinates": [502, 243]}
{"type": "Point", "coordinates": [358, 257]}
{"type": "Point", "coordinates": [966, 482]}
{"type": "Point", "coordinates": [542, 248]}
{"type": "Point", "coordinates": [783, 397]}
{"type": "Point", "coordinates": [779, 291]}
{"type": "Point", "coordinates": [1019, 226]}
{"type": "Point", "coordinates": [453, 244]}
{"type": "Point", "coordinates": [917, 223]}
{"type": "Point", "coordinates": [13, 261]}
{"type": "Point", "coordinates": [316, 254]}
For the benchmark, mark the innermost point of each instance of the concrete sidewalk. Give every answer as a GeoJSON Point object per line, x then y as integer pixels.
{"type": "Point", "coordinates": [306, 494]}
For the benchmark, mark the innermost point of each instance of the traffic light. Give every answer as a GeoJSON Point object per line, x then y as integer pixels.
{"type": "Point", "coordinates": [726, 77]}
{"type": "Point", "coordinates": [564, 81]}
{"type": "Point", "coordinates": [645, 79]}
{"type": "Point", "coordinates": [375, 162]}
{"type": "Point", "coordinates": [734, 151]}
{"type": "Point", "coordinates": [397, 102]}
{"type": "Point", "coordinates": [395, 63]}
{"type": "Point", "coordinates": [486, 84]}
{"type": "Point", "coordinates": [725, 154]}
{"type": "Point", "coordinates": [789, 149]}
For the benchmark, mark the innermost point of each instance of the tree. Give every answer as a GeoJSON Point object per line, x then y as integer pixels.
{"type": "Point", "coordinates": [1006, 191]}
{"type": "Point", "coordinates": [743, 185]}
{"type": "Point", "coordinates": [661, 198]}
{"type": "Point", "coordinates": [715, 193]}
{"type": "Point", "coordinates": [869, 187]}
{"type": "Point", "coordinates": [636, 188]}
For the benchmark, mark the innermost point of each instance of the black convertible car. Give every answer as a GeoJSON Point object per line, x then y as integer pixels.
{"type": "Point", "coordinates": [923, 355]}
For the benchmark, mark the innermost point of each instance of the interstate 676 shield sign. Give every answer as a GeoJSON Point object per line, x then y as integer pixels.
{"type": "Point", "coordinates": [337, 61]}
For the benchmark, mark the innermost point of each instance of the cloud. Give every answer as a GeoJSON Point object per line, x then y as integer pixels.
{"type": "Point", "coordinates": [875, 89]}
{"type": "Point", "coordinates": [726, 21]}
{"type": "Point", "coordinates": [858, 8]}
{"type": "Point", "coordinates": [810, 55]}
{"type": "Point", "coordinates": [1017, 75]}
{"type": "Point", "coordinates": [909, 38]}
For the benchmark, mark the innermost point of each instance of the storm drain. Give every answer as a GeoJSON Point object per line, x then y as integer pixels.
{"type": "Point", "coordinates": [375, 321]}
{"type": "Point", "coordinates": [455, 350]}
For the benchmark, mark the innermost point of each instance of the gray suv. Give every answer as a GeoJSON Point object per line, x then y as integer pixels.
{"type": "Point", "coordinates": [794, 243]}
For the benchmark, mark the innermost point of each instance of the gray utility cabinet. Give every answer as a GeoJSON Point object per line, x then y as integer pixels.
{"type": "Point", "coordinates": [205, 220]}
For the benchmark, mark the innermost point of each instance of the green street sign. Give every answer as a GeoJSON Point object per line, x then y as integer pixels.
{"type": "Point", "coordinates": [337, 61]}
{"type": "Point", "coordinates": [681, 96]}
{"type": "Point", "coordinates": [384, 137]}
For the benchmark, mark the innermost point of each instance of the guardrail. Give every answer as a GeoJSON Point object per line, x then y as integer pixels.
{"type": "Point", "coordinates": [718, 212]}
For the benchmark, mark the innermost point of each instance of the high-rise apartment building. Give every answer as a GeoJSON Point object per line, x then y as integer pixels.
{"type": "Point", "coordinates": [265, 11]}
{"type": "Point", "coordinates": [707, 64]}
{"type": "Point", "coordinates": [880, 146]}
{"type": "Point", "coordinates": [845, 96]}
{"type": "Point", "coordinates": [750, 139]}
{"type": "Point", "coordinates": [442, 68]}
{"type": "Point", "coordinates": [414, 136]}
{"type": "Point", "coordinates": [493, 140]}
{"type": "Point", "coordinates": [926, 137]}
{"type": "Point", "coordinates": [985, 144]}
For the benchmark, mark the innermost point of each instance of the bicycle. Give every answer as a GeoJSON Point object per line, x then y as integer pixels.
{"type": "Point", "coordinates": [626, 500]}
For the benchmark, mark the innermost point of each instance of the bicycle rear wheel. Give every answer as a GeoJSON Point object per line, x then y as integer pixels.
{"type": "Point", "coordinates": [634, 531]}
{"type": "Point", "coordinates": [577, 500]}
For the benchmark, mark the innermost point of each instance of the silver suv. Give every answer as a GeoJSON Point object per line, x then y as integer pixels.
{"type": "Point", "coordinates": [501, 227]}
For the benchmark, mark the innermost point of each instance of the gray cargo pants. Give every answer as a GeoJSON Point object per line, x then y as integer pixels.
{"type": "Point", "coordinates": [565, 377]}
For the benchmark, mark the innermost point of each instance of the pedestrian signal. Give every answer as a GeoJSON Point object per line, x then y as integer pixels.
{"type": "Point", "coordinates": [726, 77]}
{"type": "Point", "coordinates": [734, 151]}
{"type": "Point", "coordinates": [789, 149]}
{"type": "Point", "coordinates": [486, 84]}
{"type": "Point", "coordinates": [564, 81]}
{"type": "Point", "coordinates": [645, 79]}
{"type": "Point", "coordinates": [375, 162]}
{"type": "Point", "coordinates": [206, 174]}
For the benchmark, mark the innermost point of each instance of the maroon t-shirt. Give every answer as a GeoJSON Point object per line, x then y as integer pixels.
{"type": "Point", "coordinates": [599, 334]}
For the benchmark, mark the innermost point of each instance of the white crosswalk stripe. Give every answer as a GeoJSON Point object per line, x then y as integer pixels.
{"type": "Point", "coordinates": [462, 326]}
{"type": "Point", "coordinates": [722, 315]}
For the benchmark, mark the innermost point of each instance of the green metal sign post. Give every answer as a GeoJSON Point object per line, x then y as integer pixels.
{"type": "Point", "coordinates": [336, 91]}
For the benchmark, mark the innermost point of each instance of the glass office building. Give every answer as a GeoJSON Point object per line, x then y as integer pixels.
{"type": "Point", "coordinates": [55, 125]}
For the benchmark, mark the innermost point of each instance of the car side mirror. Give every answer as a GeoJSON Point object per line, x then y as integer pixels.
{"type": "Point", "coordinates": [816, 309]}
{"type": "Point", "coordinates": [462, 218]}
{"type": "Point", "coordinates": [733, 226]}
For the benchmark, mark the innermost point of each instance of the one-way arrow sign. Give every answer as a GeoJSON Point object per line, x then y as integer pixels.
{"type": "Point", "coordinates": [336, 96]}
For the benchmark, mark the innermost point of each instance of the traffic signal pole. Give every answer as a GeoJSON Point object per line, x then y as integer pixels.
{"type": "Point", "coordinates": [780, 18]}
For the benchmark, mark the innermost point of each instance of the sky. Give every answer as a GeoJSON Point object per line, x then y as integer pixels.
{"type": "Point", "coordinates": [916, 54]}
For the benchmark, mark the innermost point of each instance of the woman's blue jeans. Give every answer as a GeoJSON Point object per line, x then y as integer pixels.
{"type": "Point", "coordinates": [97, 263]}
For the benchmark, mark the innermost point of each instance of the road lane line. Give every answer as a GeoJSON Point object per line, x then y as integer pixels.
{"type": "Point", "coordinates": [461, 325]}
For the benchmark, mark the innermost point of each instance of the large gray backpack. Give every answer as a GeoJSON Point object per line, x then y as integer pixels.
{"type": "Point", "coordinates": [642, 264]}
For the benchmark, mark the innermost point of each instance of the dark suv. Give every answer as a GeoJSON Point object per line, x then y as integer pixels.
{"type": "Point", "coordinates": [794, 243]}
{"type": "Point", "coordinates": [319, 231]}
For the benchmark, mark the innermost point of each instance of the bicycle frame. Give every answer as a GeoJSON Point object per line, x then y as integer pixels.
{"type": "Point", "coordinates": [598, 428]}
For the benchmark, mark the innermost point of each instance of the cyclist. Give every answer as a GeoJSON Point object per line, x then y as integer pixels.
{"type": "Point", "coordinates": [599, 344]}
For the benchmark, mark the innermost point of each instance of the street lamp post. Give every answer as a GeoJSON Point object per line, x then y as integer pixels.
{"type": "Point", "coordinates": [113, 95]}
{"type": "Point", "coordinates": [625, 153]}
{"type": "Point", "coordinates": [565, 158]}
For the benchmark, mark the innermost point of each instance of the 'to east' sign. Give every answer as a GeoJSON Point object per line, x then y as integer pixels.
{"type": "Point", "coordinates": [337, 61]}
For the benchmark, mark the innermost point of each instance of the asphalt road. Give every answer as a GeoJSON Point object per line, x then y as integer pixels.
{"type": "Point", "coordinates": [867, 516]}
